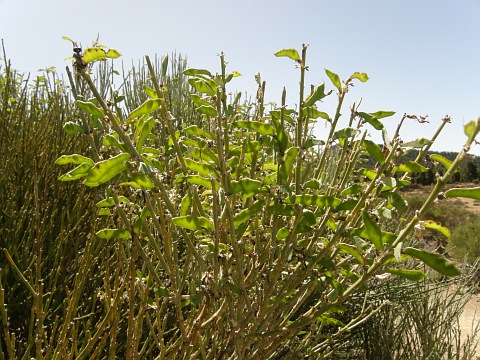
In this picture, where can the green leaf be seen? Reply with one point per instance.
(164, 65)
(163, 292)
(383, 114)
(262, 128)
(386, 213)
(92, 54)
(104, 212)
(396, 200)
(108, 202)
(372, 120)
(373, 230)
(313, 113)
(417, 144)
(352, 190)
(106, 170)
(139, 181)
(308, 218)
(430, 224)
(435, 261)
(290, 53)
(77, 173)
(471, 129)
(193, 222)
(139, 220)
(390, 182)
(90, 108)
(334, 78)
(317, 200)
(363, 77)
(72, 128)
(196, 131)
(413, 275)
(198, 100)
(302, 229)
(203, 86)
(347, 205)
(112, 140)
(312, 184)
(442, 160)
(282, 233)
(344, 133)
(318, 94)
(73, 159)
(202, 169)
(352, 250)
(113, 54)
(370, 174)
(471, 193)
(374, 151)
(312, 142)
(282, 136)
(287, 166)
(146, 108)
(98, 53)
(245, 186)
(196, 179)
(410, 167)
(152, 94)
(196, 72)
(246, 214)
(247, 147)
(207, 110)
(142, 131)
(232, 75)
(335, 284)
(387, 237)
(68, 39)
(113, 233)
(281, 210)
(186, 204)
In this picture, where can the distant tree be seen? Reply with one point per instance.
(469, 171)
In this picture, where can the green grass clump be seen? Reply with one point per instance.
(417, 321)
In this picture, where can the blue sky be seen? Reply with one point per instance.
(422, 56)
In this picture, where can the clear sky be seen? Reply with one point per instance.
(422, 56)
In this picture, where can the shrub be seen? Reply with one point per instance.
(465, 242)
(233, 232)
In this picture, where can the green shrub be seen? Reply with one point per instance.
(465, 241)
(230, 232)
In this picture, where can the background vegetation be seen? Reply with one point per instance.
(469, 170)
(232, 233)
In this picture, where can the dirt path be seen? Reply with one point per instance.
(471, 205)
(470, 318)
